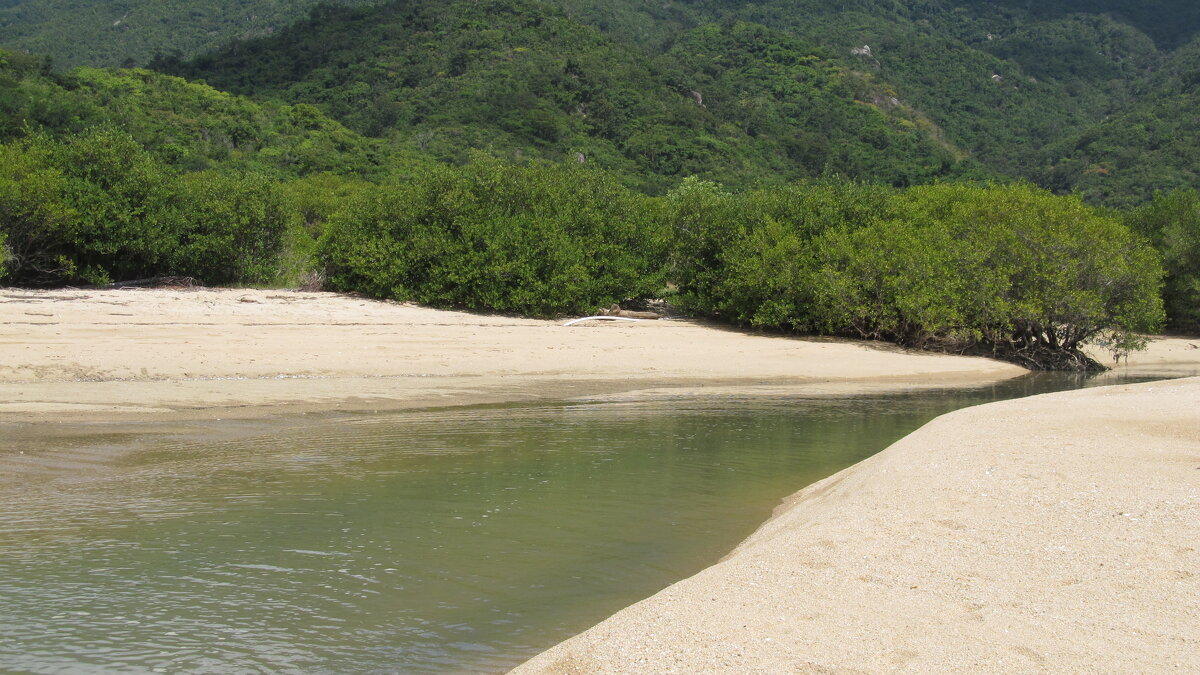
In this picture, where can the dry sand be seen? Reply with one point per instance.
(86, 355)
(1057, 533)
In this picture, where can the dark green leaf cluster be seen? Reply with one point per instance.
(96, 207)
(538, 240)
(1172, 223)
(187, 125)
(737, 102)
(1012, 270)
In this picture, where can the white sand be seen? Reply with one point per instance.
(1056, 533)
(138, 354)
(1050, 534)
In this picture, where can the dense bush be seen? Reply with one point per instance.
(125, 223)
(33, 215)
(1029, 275)
(540, 240)
(96, 207)
(745, 257)
(233, 227)
(1014, 270)
(1172, 223)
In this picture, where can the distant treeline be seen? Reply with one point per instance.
(1009, 270)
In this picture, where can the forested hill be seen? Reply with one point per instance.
(736, 102)
(1011, 87)
(1091, 96)
(1152, 144)
(1005, 79)
(187, 125)
(131, 32)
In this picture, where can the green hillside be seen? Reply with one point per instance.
(736, 102)
(187, 125)
(130, 32)
(1001, 79)
(901, 92)
(1150, 145)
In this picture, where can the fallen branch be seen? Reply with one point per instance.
(152, 282)
(600, 318)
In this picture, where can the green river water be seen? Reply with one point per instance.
(459, 540)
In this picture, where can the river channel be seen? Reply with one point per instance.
(462, 540)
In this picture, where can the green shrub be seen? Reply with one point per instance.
(34, 216)
(316, 197)
(90, 209)
(1011, 269)
(746, 257)
(234, 227)
(542, 240)
(124, 224)
(1029, 275)
(311, 200)
(96, 207)
(1172, 223)
(704, 223)
(888, 281)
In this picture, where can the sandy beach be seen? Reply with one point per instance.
(1056, 533)
(137, 354)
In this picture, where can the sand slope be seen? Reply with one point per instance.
(1057, 533)
(132, 354)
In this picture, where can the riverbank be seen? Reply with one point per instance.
(1049, 534)
(968, 519)
(145, 355)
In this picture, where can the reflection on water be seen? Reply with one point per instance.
(447, 541)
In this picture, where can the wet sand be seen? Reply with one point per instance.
(1057, 533)
(136, 355)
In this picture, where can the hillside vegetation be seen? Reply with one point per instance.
(1039, 91)
(1150, 145)
(130, 32)
(738, 102)
(186, 124)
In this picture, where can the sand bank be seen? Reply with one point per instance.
(83, 355)
(1058, 533)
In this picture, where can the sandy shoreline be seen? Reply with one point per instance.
(949, 551)
(1057, 533)
(135, 355)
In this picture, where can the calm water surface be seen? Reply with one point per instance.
(450, 541)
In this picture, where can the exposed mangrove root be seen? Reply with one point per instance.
(1041, 357)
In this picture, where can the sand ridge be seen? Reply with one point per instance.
(137, 353)
(1058, 533)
